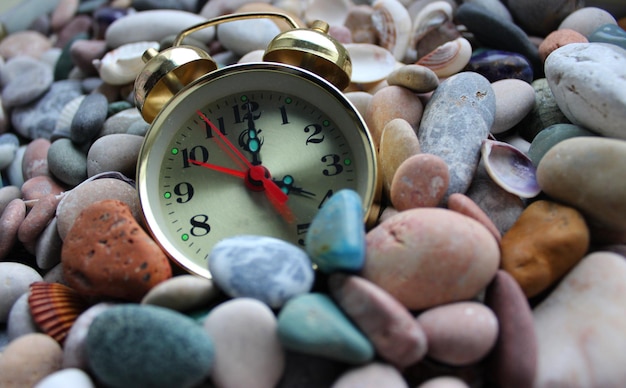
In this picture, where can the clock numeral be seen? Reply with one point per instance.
(301, 230)
(198, 152)
(248, 108)
(220, 126)
(184, 191)
(283, 115)
(332, 160)
(199, 225)
(316, 137)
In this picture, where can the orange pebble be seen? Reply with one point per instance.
(558, 39)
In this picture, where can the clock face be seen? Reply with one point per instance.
(252, 149)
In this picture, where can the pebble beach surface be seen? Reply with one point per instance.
(498, 258)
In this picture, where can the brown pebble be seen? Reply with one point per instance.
(83, 52)
(30, 43)
(398, 142)
(63, 13)
(40, 186)
(10, 221)
(417, 78)
(37, 218)
(35, 161)
(465, 205)
(546, 241)
(107, 253)
(559, 38)
(77, 25)
(420, 181)
(28, 359)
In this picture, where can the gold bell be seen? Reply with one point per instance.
(314, 50)
(166, 73)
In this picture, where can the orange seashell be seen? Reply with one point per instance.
(55, 307)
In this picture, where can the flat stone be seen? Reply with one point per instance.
(456, 119)
(182, 293)
(313, 324)
(394, 332)
(116, 152)
(261, 267)
(417, 78)
(28, 359)
(24, 79)
(397, 143)
(420, 181)
(514, 100)
(88, 120)
(134, 345)
(28, 43)
(41, 186)
(335, 240)
(67, 162)
(588, 81)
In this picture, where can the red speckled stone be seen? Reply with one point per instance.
(106, 253)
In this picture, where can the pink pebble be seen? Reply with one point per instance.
(40, 186)
(420, 181)
(35, 161)
(10, 221)
(465, 205)
(37, 218)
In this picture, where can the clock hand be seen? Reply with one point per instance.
(230, 171)
(253, 144)
(286, 184)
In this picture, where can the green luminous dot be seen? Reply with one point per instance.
(347, 162)
(174, 151)
(184, 237)
(167, 195)
(253, 145)
(244, 98)
(288, 100)
(326, 123)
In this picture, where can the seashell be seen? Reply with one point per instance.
(122, 65)
(333, 12)
(510, 168)
(64, 121)
(393, 25)
(427, 19)
(449, 58)
(370, 63)
(54, 308)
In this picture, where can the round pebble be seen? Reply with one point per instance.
(247, 35)
(15, 279)
(371, 376)
(35, 161)
(558, 39)
(70, 377)
(67, 162)
(41, 186)
(37, 218)
(10, 221)
(75, 347)
(182, 293)
(89, 118)
(29, 43)
(420, 181)
(586, 20)
(20, 321)
(24, 79)
(417, 78)
(29, 359)
(514, 100)
(398, 142)
(116, 152)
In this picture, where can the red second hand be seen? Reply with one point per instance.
(230, 171)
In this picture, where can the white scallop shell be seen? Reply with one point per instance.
(64, 121)
(393, 25)
(122, 65)
(370, 63)
(333, 12)
(427, 19)
(449, 58)
(510, 168)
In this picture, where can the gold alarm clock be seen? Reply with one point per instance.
(251, 148)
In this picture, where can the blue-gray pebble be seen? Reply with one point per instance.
(133, 345)
(9, 143)
(67, 162)
(39, 118)
(335, 240)
(88, 120)
(609, 33)
(265, 268)
(313, 324)
(551, 136)
(457, 118)
(24, 79)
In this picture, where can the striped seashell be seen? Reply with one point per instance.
(370, 63)
(449, 58)
(427, 19)
(393, 25)
(122, 65)
(54, 308)
(64, 121)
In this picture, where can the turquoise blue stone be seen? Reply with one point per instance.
(335, 240)
(609, 33)
(497, 64)
(132, 345)
(550, 136)
(313, 324)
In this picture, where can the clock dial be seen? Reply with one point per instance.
(257, 150)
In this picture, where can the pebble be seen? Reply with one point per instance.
(417, 78)
(514, 100)
(588, 81)
(496, 65)
(75, 347)
(134, 345)
(121, 121)
(444, 382)
(28, 359)
(9, 144)
(24, 79)
(116, 152)
(182, 293)
(245, 355)
(91, 114)
(398, 142)
(394, 333)
(265, 268)
(558, 39)
(456, 119)
(63, 13)
(420, 181)
(35, 161)
(459, 333)
(551, 136)
(539, 17)
(29, 43)
(10, 221)
(463, 204)
(513, 360)
(335, 240)
(7, 194)
(444, 256)
(372, 375)
(83, 52)
(20, 321)
(546, 241)
(609, 33)
(22, 15)
(37, 218)
(48, 246)
(70, 377)
(243, 36)
(313, 324)
(124, 262)
(594, 288)
(392, 102)
(580, 172)
(38, 118)
(67, 162)
(587, 19)
(90, 192)
(137, 27)
(41, 186)
(544, 113)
